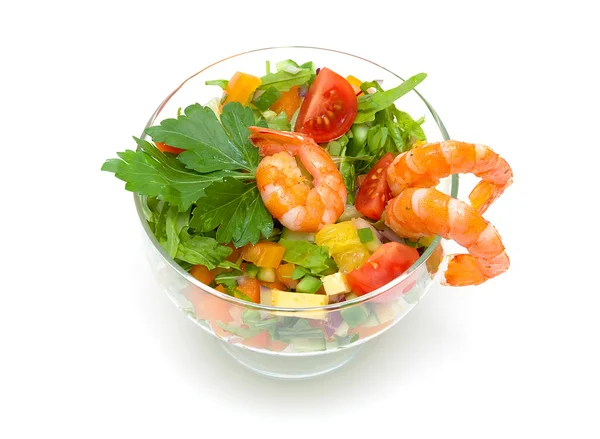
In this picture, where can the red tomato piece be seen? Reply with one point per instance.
(162, 146)
(387, 263)
(329, 108)
(374, 192)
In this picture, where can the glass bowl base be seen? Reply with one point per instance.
(290, 367)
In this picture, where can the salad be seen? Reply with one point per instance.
(200, 196)
(302, 188)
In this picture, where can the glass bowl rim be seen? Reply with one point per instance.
(330, 307)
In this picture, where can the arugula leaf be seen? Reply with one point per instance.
(209, 145)
(148, 171)
(407, 124)
(220, 82)
(237, 209)
(348, 171)
(268, 98)
(279, 122)
(201, 250)
(305, 254)
(369, 104)
(283, 80)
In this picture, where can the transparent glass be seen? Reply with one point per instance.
(295, 343)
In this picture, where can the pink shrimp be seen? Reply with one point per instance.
(287, 194)
(424, 165)
(420, 210)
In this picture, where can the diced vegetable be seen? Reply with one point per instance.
(287, 299)
(335, 284)
(266, 274)
(344, 245)
(251, 288)
(266, 297)
(365, 235)
(354, 315)
(355, 83)
(368, 234)
(289, 102)
(203, 274)
(308, 344)
(240, 88)
(264, 254)
(285, 274)
(338, 237)
(251, 270)
(387, 263)
(309, 284)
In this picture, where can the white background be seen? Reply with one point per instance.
(91, 348)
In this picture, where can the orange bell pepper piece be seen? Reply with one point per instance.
(251, 288)
(240, 88)
(289, 101)
(284, 274)
(203, 274)
(264, 254)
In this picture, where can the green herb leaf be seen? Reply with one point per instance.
(348, 171)
(280, 122)
(201, 250)
(283, 80)
(268, 98)
(370, 104)
(310, 256)
(148, 171)
(209, 145)
(220, 82)
(175, 221)
(237, 209)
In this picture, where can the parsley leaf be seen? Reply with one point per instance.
(201, 250)
(148, 171)
(209, 145)
(237, 209)
(370, 104)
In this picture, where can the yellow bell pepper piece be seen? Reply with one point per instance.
(240, 88)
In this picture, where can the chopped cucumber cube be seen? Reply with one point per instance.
(354, 315)
(365, 235)
(298, 273)
(267, 274)
(309, 284)
(251, 270)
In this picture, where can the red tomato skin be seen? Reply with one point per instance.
(163, 147)
(374, 192)
(387, 263)
(329, 108)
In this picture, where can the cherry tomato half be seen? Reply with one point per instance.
(329, 108)
(374, 192)
(387, 263)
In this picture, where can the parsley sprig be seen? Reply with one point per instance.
(213, 177)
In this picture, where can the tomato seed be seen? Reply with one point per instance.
(330, 114)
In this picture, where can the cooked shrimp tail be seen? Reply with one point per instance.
(420, 212)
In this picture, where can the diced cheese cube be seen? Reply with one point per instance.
(335, 284)
(286, 299)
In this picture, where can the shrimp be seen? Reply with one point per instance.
(286, 192)
(420, 210)
(424, 165)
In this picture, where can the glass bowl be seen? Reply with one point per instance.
(295, 343)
